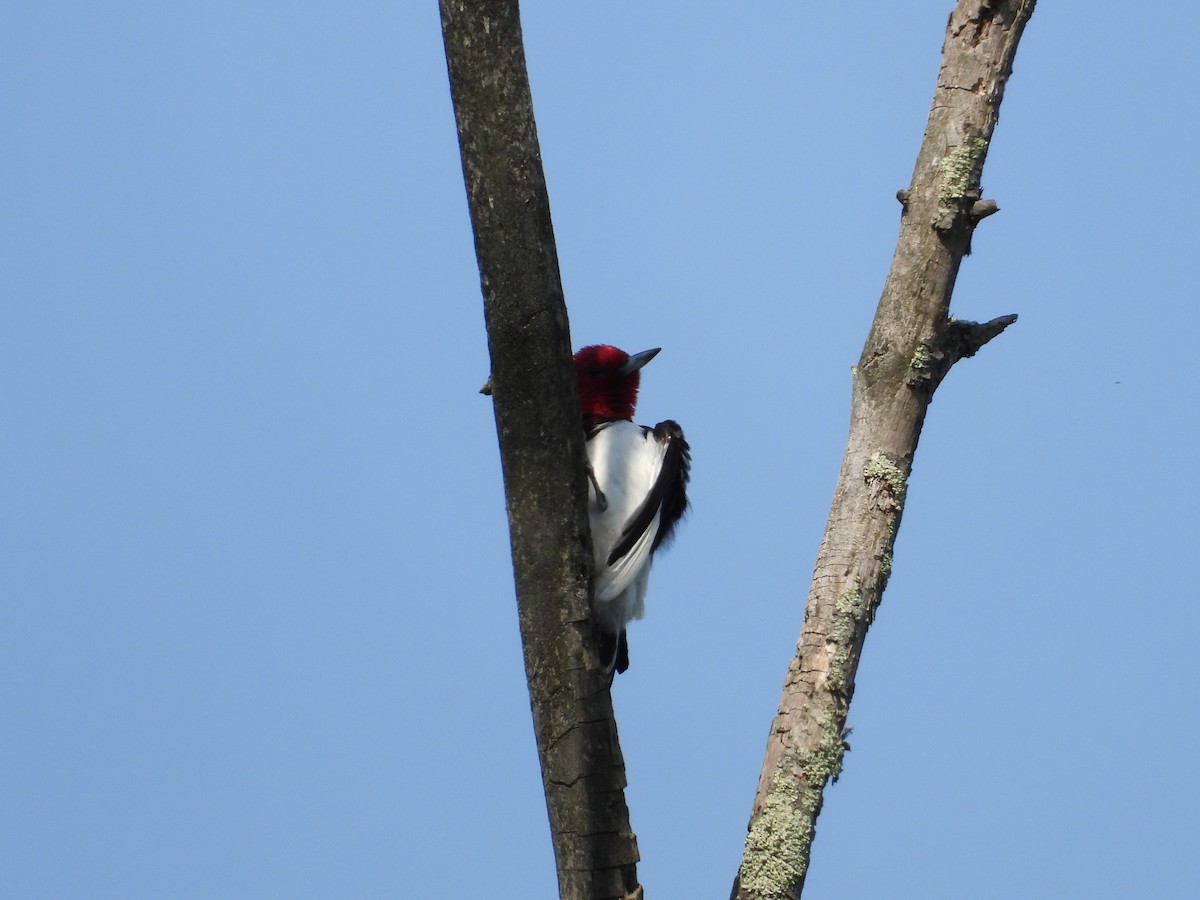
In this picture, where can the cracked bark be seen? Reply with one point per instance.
(542, 450)
(911, 347)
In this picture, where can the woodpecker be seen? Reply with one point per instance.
(637, 492)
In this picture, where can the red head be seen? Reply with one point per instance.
(608, 381)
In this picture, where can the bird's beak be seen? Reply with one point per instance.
(638, 360)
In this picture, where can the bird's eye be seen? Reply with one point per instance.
(596, 371)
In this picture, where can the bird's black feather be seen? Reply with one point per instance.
(668, 494)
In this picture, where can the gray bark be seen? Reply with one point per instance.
(912, 344)
(541, 448)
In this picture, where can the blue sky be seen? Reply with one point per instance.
(257, 631)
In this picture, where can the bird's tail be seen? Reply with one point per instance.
(615, 651)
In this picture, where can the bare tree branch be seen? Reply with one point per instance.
(912, 344)
(541, 448)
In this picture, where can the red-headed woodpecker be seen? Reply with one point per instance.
(638, 490)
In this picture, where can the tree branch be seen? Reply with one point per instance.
(542, 450)
(912, 344)
(956, 340)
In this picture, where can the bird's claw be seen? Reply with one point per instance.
(601, 500)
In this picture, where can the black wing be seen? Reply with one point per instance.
(668, 494)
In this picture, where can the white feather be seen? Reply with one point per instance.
(625, 460)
